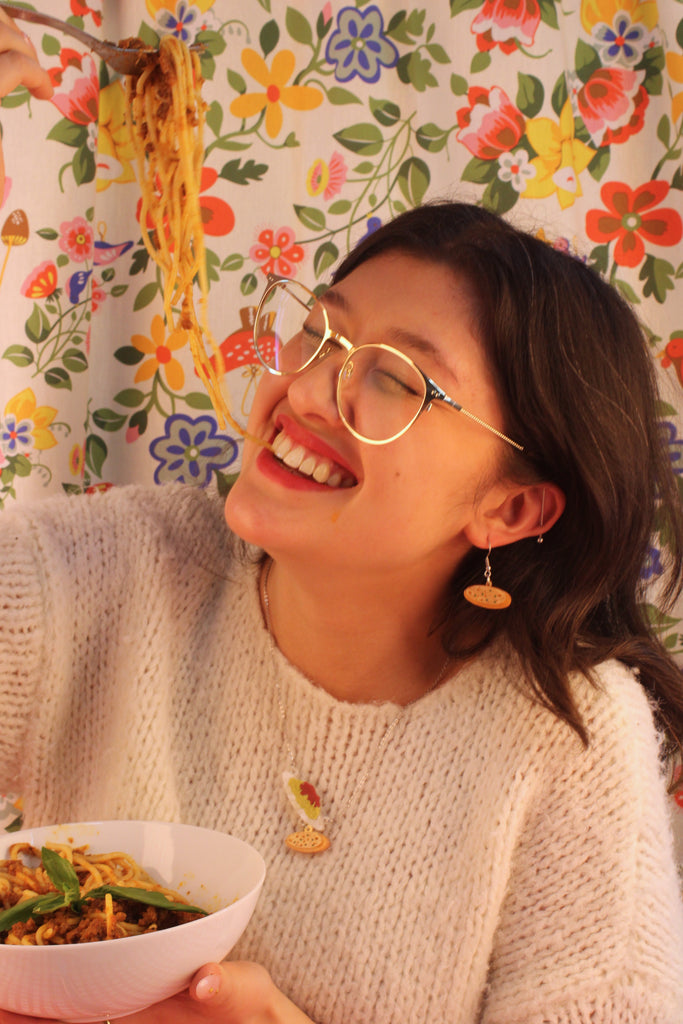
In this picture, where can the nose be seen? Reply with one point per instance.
(313, 392)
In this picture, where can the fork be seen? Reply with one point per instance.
(127, 61)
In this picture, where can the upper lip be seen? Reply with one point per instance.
(301, 435)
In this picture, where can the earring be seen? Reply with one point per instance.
(485, 595)
(539, 539)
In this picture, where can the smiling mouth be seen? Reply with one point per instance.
(302, 460)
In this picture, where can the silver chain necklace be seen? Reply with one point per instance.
(301, 793)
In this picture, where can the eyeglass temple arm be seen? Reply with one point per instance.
(435, 392)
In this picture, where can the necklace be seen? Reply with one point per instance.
(301, 793)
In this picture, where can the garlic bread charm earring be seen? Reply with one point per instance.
(485, 595)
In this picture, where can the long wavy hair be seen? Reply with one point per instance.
(577, 386)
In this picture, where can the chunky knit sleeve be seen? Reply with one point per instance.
(24, 632)
(83, 581)
(591, 930)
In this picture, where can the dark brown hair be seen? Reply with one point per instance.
(578, 390)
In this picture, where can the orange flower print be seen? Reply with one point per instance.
(276, 252)
(41, 282)
(77, 460)
(276, 93)
(674, 65)
(160, 350)
(631, 217)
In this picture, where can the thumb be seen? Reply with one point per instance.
(238, 988)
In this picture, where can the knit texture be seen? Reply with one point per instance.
(491, 869)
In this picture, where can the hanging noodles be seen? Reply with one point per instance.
(168, 114)
(106, 918)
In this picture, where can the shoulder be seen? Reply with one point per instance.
(125, 522)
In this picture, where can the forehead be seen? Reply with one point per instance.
(414, 304)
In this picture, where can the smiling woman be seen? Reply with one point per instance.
(441, 790)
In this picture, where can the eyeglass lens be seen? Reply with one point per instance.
(379, 391)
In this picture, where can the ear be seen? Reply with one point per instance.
(511, 512)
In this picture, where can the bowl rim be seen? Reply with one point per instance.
(11, 838)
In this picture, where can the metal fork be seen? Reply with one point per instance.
(122, 59)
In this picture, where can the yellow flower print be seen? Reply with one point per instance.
(160, 349)
(595, 12)
(115, 153)
(561, 158)
(276, 92)
(30, 418)
(674, 65)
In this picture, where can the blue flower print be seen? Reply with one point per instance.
(16, 436)
(191, 450)
(358, 47)
(623, 43)
(674, 444)
(653, 565)
(184, 24)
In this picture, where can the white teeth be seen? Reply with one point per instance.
(282, 444)
(295, 456)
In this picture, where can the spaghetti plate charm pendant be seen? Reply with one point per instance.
(304, 799)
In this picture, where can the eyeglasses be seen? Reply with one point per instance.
(380, 391)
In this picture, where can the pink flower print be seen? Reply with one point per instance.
(612, 104)
(277, 252)
(506, 23)
(98, 294)
(76, 239)
(491, 125)
(76, 87)
(327, 178)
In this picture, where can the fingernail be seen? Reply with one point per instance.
(207, 987)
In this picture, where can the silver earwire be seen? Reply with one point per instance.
(539, 539)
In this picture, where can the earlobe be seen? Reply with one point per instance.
(522, 511)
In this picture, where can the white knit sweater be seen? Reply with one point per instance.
(491, 869)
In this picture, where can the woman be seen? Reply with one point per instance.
(489, 777)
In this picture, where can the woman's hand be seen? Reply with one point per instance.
(19, 66)
(229, 993)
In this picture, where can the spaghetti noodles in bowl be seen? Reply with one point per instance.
(93, 981)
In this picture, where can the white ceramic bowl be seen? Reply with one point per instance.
(99, 980)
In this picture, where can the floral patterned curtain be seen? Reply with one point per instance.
(323, 121)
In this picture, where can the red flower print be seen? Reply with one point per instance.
(612, 104)
(76, 239)
(80, 9)
(491, 125)
(276, 252)
(506, 23)
(41, 282)
(630, 217)
(217, 215)
(76, 87)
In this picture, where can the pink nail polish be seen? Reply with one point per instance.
(207, 986)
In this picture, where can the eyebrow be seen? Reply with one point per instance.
(398, 336)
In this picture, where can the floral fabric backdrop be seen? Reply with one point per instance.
(324, 120)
